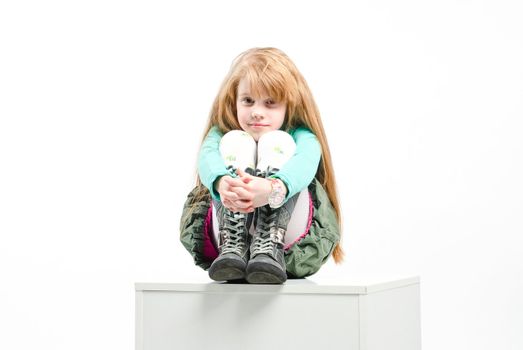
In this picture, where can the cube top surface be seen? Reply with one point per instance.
(366, 285)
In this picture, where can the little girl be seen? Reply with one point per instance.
(265, 207)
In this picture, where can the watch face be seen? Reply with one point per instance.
(276, 196)
(276, 200)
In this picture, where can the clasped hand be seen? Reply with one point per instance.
(243, 193)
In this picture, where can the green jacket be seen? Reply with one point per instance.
(303, 259)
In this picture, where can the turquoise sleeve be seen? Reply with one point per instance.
(210, 163)
(301, 169)
(297, 173)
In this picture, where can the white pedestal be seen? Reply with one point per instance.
(300, 314)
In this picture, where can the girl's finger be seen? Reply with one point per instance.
(235, 182)
(238, 206)
(242, 194)
(227, 203)
(230, 195)
(246, 178)
(242, 204)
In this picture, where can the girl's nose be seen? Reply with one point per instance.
(256, 115)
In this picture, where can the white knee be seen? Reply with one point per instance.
(238, 149)
(275, 148)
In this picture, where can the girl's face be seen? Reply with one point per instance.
(258, 115)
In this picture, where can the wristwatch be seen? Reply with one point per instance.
(277, 195)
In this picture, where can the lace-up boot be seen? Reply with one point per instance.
(233, 246)
(267, 262)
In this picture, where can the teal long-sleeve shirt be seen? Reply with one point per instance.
(296, 174)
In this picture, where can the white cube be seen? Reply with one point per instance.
(299, 314)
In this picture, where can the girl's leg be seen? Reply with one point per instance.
(299, 221)
(267, 262)
(274, 150)
(238, 150)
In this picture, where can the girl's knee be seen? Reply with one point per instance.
(276, 137)
(275, 148)
(238, 149)
(236, 139)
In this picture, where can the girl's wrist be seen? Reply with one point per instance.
(217, 183)
(284, 186)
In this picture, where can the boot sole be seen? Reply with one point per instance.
(227, 270)
(265, 278)
(227, 274)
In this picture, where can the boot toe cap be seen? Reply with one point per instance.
(263, 269)
(228, 267)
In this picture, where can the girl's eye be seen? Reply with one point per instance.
(270, 102)
(247, 100)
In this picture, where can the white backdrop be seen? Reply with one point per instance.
(103, 104)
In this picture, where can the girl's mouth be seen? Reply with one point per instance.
(259, 124)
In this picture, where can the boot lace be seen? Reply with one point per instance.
(268, 236)
(234, 239)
